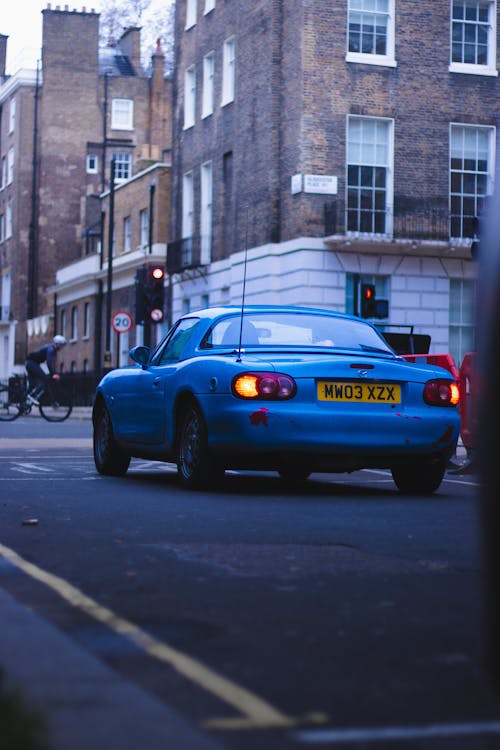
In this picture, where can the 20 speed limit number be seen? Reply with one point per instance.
(121, 322)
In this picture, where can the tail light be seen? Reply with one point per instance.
(263, 386)
(441, 392)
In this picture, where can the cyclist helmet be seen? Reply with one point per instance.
(59, 340)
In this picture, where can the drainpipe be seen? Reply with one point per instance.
(111, 228)
(33, 238)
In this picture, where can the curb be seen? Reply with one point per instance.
(84, 704)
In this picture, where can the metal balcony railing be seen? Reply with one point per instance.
(409, 218)
(184, 254)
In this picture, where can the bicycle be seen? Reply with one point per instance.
(53, 400)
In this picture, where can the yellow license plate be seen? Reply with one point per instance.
(372, 393)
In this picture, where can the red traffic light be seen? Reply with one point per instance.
(368, 291)
(158, 273)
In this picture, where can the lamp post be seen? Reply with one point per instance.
(111, 230)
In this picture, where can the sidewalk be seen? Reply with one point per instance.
(86, 705)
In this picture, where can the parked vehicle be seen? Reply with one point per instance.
(290, 389)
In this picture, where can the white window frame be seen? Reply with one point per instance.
(6, 296)
(74, 323)
(191, 12)
(389, 59)
(127, 234)
(10, 166)
(189, 97)
(187, 205)
(92, 164)
(8, 221)
(4, 171)
(228, 70)
(354, 157)
(478, 69)
(206, 212)
(490, 131)
(144, 227)
(461, 291)
(122, 114)
(207, 105)
(123, 165)
(12, 115)
(209, 6)
(86, 320)
(63, 322)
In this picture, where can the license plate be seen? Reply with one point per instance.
(373, 393)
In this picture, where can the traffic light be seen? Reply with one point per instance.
(155, 293)
(149, 294)
(371, 307)
(368, 300)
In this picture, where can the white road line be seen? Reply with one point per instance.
(32, 478)
(25, 468)
(377, 734)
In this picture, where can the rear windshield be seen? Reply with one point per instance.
(294, 330)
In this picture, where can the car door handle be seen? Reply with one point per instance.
(157, 381)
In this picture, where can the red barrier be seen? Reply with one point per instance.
(467, 384)
(468, 401)
(441, 360)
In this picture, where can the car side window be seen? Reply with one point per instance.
(176, 342)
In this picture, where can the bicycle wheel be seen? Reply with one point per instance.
(9, 410)
(55, 402)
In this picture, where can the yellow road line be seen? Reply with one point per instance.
(255, 712)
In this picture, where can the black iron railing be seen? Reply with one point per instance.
(184, 254)
(409, 218)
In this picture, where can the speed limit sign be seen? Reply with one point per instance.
(121, 322)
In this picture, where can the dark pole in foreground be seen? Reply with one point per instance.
(111, 228)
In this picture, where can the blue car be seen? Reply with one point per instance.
(288, 389)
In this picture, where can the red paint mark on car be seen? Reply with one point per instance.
(259, 417)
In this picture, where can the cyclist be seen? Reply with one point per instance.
(34, 360)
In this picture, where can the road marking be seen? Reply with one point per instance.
(255, 712)
(376, 734)
(168, 468)
(31, 478)
(25, 468)
(44, 442)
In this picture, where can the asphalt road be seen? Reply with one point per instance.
(337, 613)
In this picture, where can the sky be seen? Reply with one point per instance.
(21, 21)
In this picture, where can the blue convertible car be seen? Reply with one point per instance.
(289, 389)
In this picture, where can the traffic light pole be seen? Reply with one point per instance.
(111, 227)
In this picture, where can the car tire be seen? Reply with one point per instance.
(419, 477)
(109, 459)
(196, 467)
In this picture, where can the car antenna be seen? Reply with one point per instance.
(238, 358)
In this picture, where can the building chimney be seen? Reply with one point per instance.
(130, 46)
(157, 97)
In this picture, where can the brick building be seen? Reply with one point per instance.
(86, 107)
(340, 143)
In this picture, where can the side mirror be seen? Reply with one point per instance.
(140, 354)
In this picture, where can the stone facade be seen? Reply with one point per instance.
(296, 86)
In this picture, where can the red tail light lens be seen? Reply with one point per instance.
(271, 386)
(441, 392)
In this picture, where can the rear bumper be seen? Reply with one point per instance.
(264, 434)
